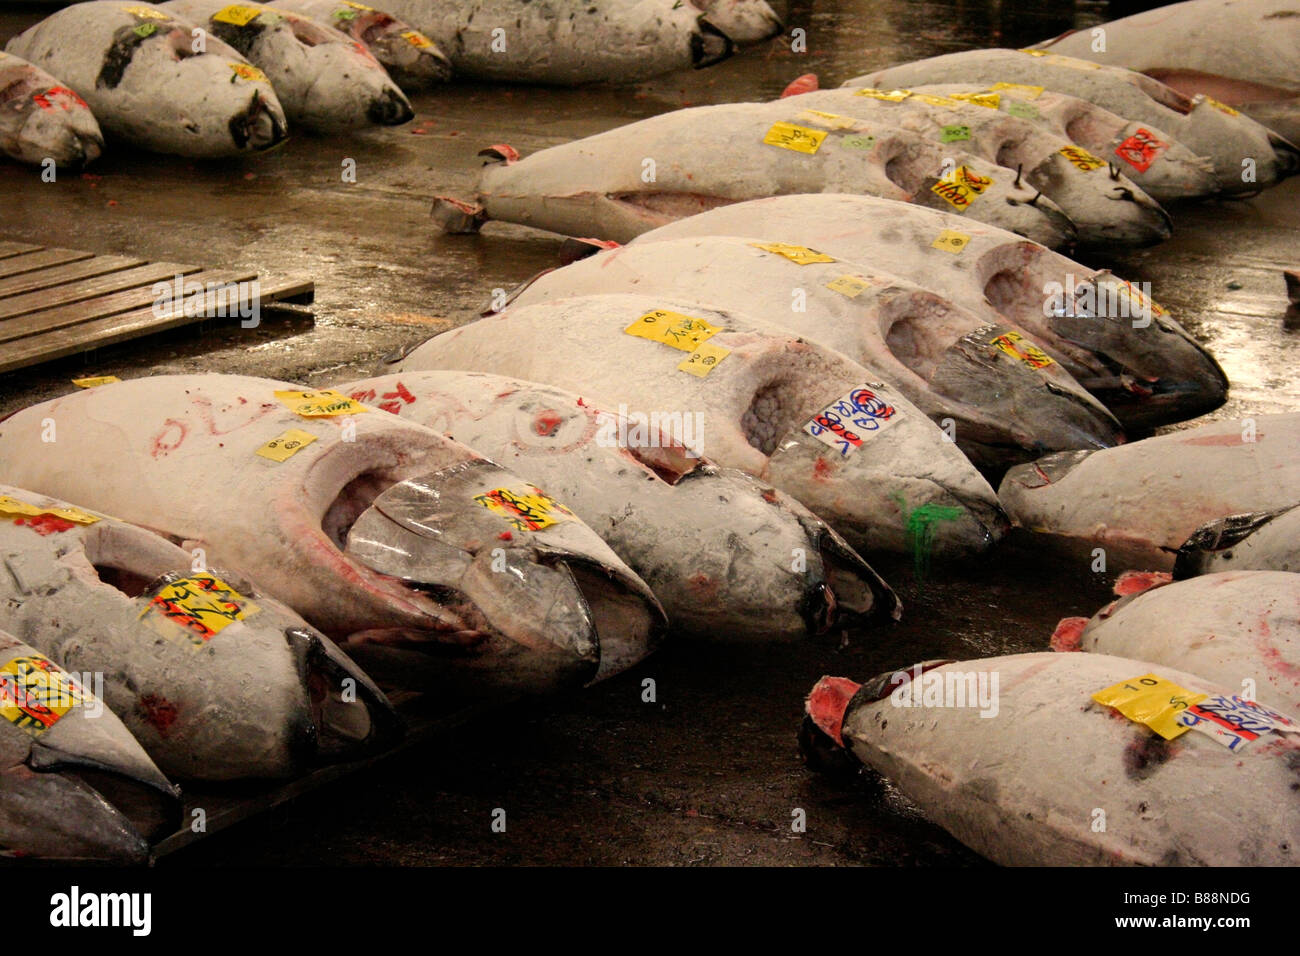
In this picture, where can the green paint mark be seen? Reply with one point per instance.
(954, 134)
(859, 142)
(1023, 110)
(920, 532)
(145, 30)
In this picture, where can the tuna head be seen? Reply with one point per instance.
(1152, 371)
(44, 119)
(351, 89)
(1118, 213)
(410, 57)
(545, 598)
(72, 140)
(741, 21)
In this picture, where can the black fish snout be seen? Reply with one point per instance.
(390, 109)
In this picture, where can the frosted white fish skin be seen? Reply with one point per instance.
(325, 81)
(411, 59)
(717, 547)
(1229, 627)
(152, 90)
(51, 804)
(1185, 45)
(598, 185)
(1106, 207)
(1140, 501)
(237, 707)
(1175, 173)
(568, 42)
(1208, 131)
(41, 119)
(1164, 374)
(336, 530)
(1022, 788)
(1260, 542)
(755, 404)
(939, 355)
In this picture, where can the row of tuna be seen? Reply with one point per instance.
(209, 78)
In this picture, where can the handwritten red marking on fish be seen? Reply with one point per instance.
(161, 447)
(547, 423)
(46, 524)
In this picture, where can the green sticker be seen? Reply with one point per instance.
(345, 14)
(1023, 110)
(145, 30)
(952, 134)
(859, 142)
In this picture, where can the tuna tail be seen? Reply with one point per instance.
(1196, 554)
(456, 217)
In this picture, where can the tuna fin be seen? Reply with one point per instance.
(456, 217)
(500, 153)
(801, 84)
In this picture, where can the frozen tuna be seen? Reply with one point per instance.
(324, 80)
(621, 183)
(729, 558)
(74, 784)
(1002, 397)
(1237, 629)
(1106, 207)
(136, 65)
(1139, 502)
(41, 119)
(788, 411)
(1243, 53)
(237, 686)
(1108, 333)
(1246, 155)
(424, 560)
(1262, 541)
(410, 57)
(1019, 758)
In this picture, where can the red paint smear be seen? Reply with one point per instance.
(506, 536)
(1135, 582)
(547, 423)
(46, 524)
(1068, 633)
(159, 712)
(828, 702)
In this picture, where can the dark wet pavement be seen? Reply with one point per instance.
(708, 773)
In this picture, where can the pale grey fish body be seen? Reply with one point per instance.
(41, 119)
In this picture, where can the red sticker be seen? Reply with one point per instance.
(59, 96)
(1140, 150)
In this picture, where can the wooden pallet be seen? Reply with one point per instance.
(58, 302)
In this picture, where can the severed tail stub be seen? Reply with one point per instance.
(1135, 582)
(457, 217)
(820, 742)
(1068, 634)
(807, 83)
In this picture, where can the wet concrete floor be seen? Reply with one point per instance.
(708, 773)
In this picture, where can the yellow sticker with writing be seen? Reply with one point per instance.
(1081, 158)
(935, 100)
(246, 71)
(1024, 89)
(146, 13)
(830, 120)
(287, 445)
(1221, 107)
(800, 255)
(703, 360)
(323, 404)
(847, 285)
(199, 607)
(801, 139)
(416, 39)
(961, 187)
(236, 14)
(95, 381)
(1015, 345)
(35, 693)
(1140, 302)
(892, 96)
(1151, 700)
(987, 100)
(13, 508)
(684, 332)
(950, 240)
(529, 509)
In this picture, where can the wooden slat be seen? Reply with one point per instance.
(31, 261)
(142, 277)
(78, 313)
(57, 275)
(8, 249)
(286, 289)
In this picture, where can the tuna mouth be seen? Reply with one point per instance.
(257, 128)
(1217, 538)
(851, 593)
(1288, 155)
(151, 804)
(709, 45)
(390, 108)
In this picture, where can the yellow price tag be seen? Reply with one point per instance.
(287, 445)
(801, 139)
(1081, 158)
(13, 508)
(529, 510)
(1221, 107)
(800, 255)
(146, 13)
(950, 240)
(357, 6)
(892, 96)
(1151, 700)
(847, 285)
(416, 39)
(703, 360)
(961, 187)
(35, 693)
(679, 331)
(989, 101)
(1014, 344)
(246, 71)
(831, 120)
(95, 381)
(323, 404)
(201, 606)
(236, 14)
(1030, 92)
(935, 100)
